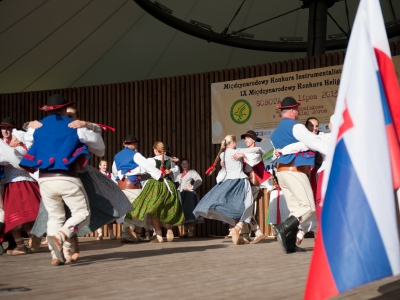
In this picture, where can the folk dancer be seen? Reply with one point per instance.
(300, 147)
(59, 151)
(106, 200)
(103, 166)
(188, 181)
(7, 125)
(292, 173)
(21, 193)
(159, 199)
(254, 168)
(231, 200)
(128, 165)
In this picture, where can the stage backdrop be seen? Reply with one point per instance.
(251, 104)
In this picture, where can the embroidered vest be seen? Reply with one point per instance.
(167, 166)
(124, 162)
(283, 136)
(55, 147)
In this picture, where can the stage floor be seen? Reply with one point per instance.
(199, 268)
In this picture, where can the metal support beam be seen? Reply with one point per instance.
(317, 23)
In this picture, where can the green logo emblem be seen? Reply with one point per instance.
(240, 111)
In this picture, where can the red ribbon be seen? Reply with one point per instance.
(183, 174)
(278, 209)
(211, 169)
(105, 127)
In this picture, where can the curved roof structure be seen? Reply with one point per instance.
(48, 44)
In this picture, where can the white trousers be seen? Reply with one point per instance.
(298, 194)
(70, 189)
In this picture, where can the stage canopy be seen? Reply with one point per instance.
(48, 44)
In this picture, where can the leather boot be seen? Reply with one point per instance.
(291, 241)
(283, 229)
(298, 249)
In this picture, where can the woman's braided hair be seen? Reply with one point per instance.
(225, 142)
(159, 146)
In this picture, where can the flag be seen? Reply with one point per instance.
(357, 241)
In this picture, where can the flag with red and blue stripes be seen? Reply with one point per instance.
(358, 239)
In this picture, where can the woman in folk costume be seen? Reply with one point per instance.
(175, 170)
(231, 200)
(158, 198)
(189, 180)
(312, 124)
(106, 202)
(7, 125)
(103, 166)
(2, 226)
(318, 195)
(21, 195)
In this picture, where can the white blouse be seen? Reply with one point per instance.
(190, 178)
(234, 168)
(14, 174)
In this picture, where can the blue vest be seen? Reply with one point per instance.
(124, 162)
(55, 145)
(283, 136)
(2, 174)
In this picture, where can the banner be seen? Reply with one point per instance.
(250, 104)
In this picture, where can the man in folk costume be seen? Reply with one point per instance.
(292, 172)
(58, 152)
(128, 165)
(253, 166)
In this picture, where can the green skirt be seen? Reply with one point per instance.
(157, 200)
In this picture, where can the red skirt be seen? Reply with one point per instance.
(318, 197)
(21, 203)
(313, 181)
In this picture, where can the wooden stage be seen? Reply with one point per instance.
(199, 268)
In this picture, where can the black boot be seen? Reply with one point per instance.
(11, 243)
(291, 241)
(298, 249)
(283, 229)
(291, 246)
